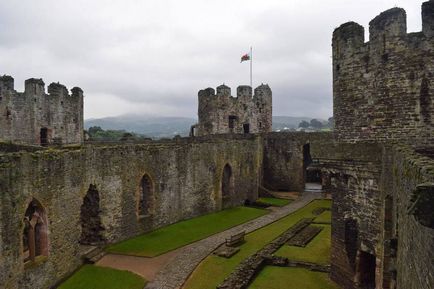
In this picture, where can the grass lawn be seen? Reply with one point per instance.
(274, 201)
(317, 251)
(324, 217)
(185, 232)
(291, 278)
(213, 269)
(94, 277)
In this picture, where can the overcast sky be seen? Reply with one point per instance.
(151, 57)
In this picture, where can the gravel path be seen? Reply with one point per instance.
(176, 272)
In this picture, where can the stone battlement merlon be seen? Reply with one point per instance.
(244, 91)
(36, 86)
(388, 27)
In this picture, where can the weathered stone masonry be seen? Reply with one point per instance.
(221, 113)
(34, 117)
(383, 89)
(187, 181)
(383, 98)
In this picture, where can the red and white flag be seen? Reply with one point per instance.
(245, 57)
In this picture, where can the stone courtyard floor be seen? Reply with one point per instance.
(171, 270)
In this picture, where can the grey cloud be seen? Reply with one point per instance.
(153, 56)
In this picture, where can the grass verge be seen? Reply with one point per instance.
(291, 278)
(95, 277)
(185, 232)
(324, 218)
(317, 251)
(274, 201)
(213, 269)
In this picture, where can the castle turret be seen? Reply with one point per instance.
(34, 86)
(428, 18)
(263, 104)
(6, 83)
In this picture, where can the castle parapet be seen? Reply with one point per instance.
(223, 90)
(428, 18)
(207, 92)
(34, 86)
(244, 91)
(263, 91)
(389, 24)
(347, 37)
(57, 89)
(6, 83)
(77, 92)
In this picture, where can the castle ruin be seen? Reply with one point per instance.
(221, 113)
(36, 118)
(378, 165)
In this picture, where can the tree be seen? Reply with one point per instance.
(316, 123)
(304, 124)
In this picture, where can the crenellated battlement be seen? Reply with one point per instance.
(243, 92)
(381, 87)
(387, 28)
(220, 112)
(37, 117)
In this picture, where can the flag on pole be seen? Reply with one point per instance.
(245, 57)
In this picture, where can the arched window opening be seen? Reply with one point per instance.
(44, 136)
(365, 275)
(146, 196)
(91, 225)
(227, 186)
(351, 240)
(35, 234)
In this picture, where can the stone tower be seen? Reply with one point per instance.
(36, 118)
(221, 113)
(383, 89)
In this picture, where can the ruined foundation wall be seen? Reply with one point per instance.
(283, 159)
(186, 176)
(383, 89)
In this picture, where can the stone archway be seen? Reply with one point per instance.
(90, 218)
(146, 196)
(35, 233)
(227, 186)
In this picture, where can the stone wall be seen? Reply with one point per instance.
(383, 89)
(375, 189)
(221, 113)
(284, 166)
(411, 177)
(186, 175)
(32, 116)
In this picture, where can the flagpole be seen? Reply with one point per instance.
(251, 64)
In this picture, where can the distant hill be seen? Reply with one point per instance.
(162, 127)
(288, 122)
(155, 127)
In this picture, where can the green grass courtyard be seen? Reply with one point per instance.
(94, 277)
(213, 269)
(185, 232)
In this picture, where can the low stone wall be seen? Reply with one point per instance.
(186, 176)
